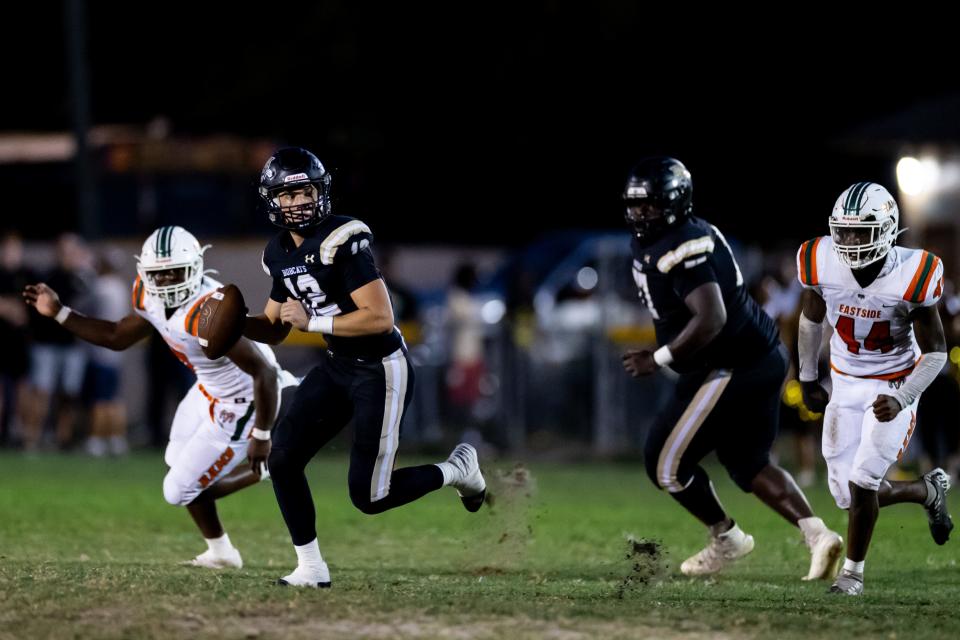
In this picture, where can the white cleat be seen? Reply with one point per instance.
(314, 578)
(209, 560)
(721, 552)
(470, 485)
(825, 555)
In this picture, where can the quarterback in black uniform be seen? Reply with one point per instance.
(731, 367)
(325, 280)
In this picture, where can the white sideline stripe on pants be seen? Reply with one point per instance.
(686, 428)
(395, 374)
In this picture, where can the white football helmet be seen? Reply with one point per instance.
(864, 224)
(166, 249)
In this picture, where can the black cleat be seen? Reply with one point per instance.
(941, 524)
(474, 502)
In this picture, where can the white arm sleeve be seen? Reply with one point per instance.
(920, 378)
(808, 346)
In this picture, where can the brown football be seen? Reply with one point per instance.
(219, 320)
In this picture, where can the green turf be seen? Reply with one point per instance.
(90, 550)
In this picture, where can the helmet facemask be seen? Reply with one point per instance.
(178, 292)
(297, 217)
(859, 244)
(647, 218)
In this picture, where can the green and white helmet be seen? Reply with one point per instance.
(864, 224)
(170, 248)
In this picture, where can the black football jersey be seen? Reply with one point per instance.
(334, 261)
(673, 265)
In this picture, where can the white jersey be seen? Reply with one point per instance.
(219, 379)
(873, 334)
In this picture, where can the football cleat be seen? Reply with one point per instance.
(941, 524)
(849, 583)
(470, 485)
(720, 552)
(825, 555)
(314, 578)
(209, 560)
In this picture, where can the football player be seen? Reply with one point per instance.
(887, 346)
(234, 396)
(731, 367)
(325, 281)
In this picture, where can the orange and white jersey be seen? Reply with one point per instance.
(219, 379)
(873, 334)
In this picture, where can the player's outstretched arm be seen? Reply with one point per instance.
(118, 335)
(265, 389)
(809, 336)
(267, 327)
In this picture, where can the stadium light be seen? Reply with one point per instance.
(493, 311)
(587, 278)
(916, 177)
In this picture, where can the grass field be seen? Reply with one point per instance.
(90, 550)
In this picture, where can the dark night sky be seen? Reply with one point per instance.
(509, 122)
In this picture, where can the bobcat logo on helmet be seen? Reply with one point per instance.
(169, 250)
(864, 224)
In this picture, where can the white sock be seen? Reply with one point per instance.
(811, 527)
(308, 555)
(856, 567)
(220, 545)
(449, 472)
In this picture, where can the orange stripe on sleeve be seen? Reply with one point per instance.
(813, 260)
(926, 281)
(136, 296)
(916, 276)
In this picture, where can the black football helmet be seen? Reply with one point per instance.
(658, 194)
(293, 168)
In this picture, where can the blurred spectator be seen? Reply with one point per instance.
(108, 414)
(938, 425)
(779, 293)
(57, 362)
(404, 301)
(467, 368)
(13, 331)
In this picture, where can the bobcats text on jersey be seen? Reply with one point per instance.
(333, 261)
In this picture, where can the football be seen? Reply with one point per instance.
(220, 320)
